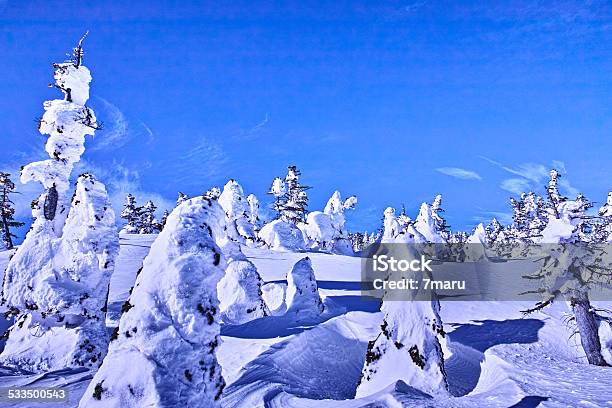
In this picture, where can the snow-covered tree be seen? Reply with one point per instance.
(302, 296)
(164, 219)
(57, 289)
(131, 214)
(237, 213)
(56, 283)
(572, 268)
(357, 241)
(495, 232)
(407, 347)
(278, 190)
(253, 210)
(603, 229)
(163, 353)
(182, 197)
(213, 193)
(391, 228)
(552, 191)
(7, 211)
(430, 223)
(148, 222)
(239, 290)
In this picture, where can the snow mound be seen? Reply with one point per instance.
(302, 292)
(274, 294)
(164, 347)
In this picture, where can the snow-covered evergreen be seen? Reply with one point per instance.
(163, 352)
(148, 222)
(238, 213)
(239, 290)
(302, 296)
(57, 288)
(7, 212)
(56, 283)
(131, 214)
(407, 348)
(430, 223)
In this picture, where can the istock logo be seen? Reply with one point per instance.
(384, 263)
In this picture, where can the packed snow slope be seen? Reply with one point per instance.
(495, 357)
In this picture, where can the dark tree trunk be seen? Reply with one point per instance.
(50, 204)
(588, 328)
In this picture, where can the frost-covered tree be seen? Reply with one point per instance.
(213, 193)
(253, 210)
(237, 213)
(131, 214)
(552, 191)
(182, 197)
(7, 211)
(430, 223)
(163, 354)
(495, 232)
(296, 199)
(571, 268)
(164, 219)
(603, 229)
(278, 190)
(56, 283)
(302, 296)
(239, 290)
(391, 228)
(357, 241)
(148, 222)
(407, 347)
(57, 289)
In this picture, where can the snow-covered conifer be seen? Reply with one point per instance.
(278, 190)
(163, 353)
(237, 213)
(407, 347)
(213, 193)
(390, 225)
(239, 290)
(164, 219)
(571, 269)
(281, 235)
(131, 214)
(430, 224)
(56, 283)
(295, 202)
(182, 197)
(148, 222)
(7, 211)
(60, 305)
(302, 292)
(253, 210)
(493, 230)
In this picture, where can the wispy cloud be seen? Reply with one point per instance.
(116, 128)
(415, 6)
(533, 177)
(459, 173)
(515, 185)
(487, 216)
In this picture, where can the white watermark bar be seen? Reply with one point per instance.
(33, 395)
(472, 272)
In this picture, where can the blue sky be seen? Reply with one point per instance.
(392, 101)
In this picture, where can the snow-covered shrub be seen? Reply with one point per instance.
(57, 287)
(282, 236)
(163, 352)
(302, 295)
(239, 290)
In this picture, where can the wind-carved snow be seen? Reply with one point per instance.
(60, 306)
(163, 352)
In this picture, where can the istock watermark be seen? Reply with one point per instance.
(471, 272)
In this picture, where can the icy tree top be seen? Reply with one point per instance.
(232, 200)
(66, 121)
